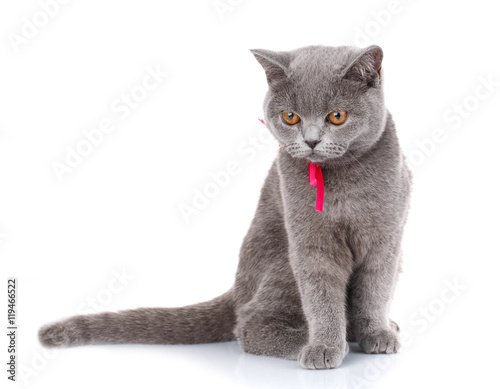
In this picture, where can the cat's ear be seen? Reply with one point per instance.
(275, 64)
(366, 67)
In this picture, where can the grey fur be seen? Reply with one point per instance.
(307, 282)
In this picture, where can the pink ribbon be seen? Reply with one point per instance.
(315, 179)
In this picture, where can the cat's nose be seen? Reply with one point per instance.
(312, 143)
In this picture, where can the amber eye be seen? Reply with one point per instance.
(291, 118)
(337, 117)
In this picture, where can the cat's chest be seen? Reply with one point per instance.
(347, 198)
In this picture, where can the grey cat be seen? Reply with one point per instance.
(307, 281)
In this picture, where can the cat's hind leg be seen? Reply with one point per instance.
(272, 323)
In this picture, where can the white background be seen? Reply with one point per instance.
(118, 210)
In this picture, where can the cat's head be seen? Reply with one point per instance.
(324, 103)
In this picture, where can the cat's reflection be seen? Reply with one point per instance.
(359, 370)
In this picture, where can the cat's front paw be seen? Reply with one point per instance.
(381, 341)
(321, 356)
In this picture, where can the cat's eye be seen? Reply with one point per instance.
(337, 117)
(291, 117)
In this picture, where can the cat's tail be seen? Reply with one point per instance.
(207, 322)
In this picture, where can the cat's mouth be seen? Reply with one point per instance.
(316, 158)
(317, 154)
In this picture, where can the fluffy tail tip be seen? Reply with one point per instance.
(53, 335)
